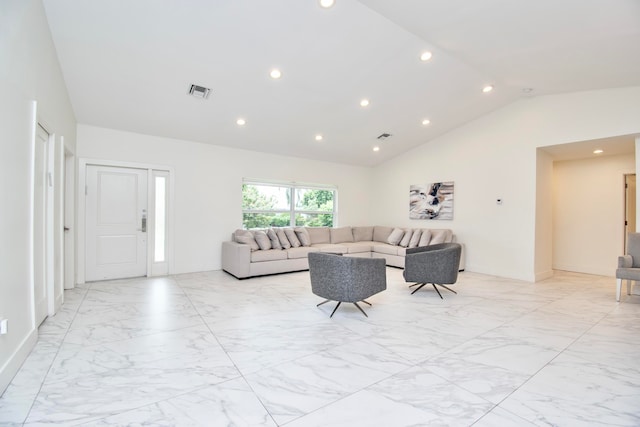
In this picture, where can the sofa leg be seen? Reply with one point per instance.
(323, 302)
(628, 287)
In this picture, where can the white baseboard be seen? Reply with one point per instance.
(15, 361)
(597, 271)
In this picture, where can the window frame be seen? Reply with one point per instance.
(292, 211)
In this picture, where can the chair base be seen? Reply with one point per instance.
(619, 288)
(434, 287)
(340, 302)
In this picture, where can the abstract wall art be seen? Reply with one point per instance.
(431, 201)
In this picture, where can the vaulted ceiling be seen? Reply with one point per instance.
(129, 64)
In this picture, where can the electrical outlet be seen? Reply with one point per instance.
(4, 326)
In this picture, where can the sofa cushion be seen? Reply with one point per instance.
(331, 248)
(341, 235)
(381, 234)
(275, 242)
(291, 236)
(301, 252)
(415, 239)
(406, 238)
(268, 255)
(425, 238)
(284, 242)
(262, 239)
(383, 248)
(395, 236)
(358, 247)
(303, 236)
(362, 234)
(440, 236)
(246, 237)
(319, 235)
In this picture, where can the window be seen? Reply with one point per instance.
(282, 204)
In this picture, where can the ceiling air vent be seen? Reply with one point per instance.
(384, 136)
(199, 91)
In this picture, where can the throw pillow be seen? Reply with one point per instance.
(275, 242)
(425, 238)
(246, 237)
(415, 238)
(303, 236)
(395, 236)
(406, 238)
(262, 239)
(293, 239)
(438, 236)
(284, 242)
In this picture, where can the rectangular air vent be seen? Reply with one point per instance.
(199, 91)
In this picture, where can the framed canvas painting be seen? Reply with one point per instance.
(431, 201)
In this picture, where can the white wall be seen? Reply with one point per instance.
(495, 157)
(588, 213)
(208, 183)
(29, 71)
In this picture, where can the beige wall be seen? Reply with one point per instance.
(588, 213)
(544, 215)
(29, 71)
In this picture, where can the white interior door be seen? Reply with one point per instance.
(40, 288)
(116, 216)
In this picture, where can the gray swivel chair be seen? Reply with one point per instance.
(434, 264)
(629, 264)
(346, 279)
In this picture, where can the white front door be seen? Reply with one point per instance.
(116, 217)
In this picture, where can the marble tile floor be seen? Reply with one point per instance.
(205, 349)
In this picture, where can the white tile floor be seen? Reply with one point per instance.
(207, 349)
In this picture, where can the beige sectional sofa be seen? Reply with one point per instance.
(281, 250)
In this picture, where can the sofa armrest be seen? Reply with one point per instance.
(625, 261)
(236, 259)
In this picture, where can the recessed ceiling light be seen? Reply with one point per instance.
(241, 122)
(598, 151)
(318, 137)
(426, 56)
(376, 148)
(364, 102)
(426, 122)
(326, 3)
(275, 73)
(487, 89)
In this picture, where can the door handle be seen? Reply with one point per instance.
(144, 223)
(65, 228)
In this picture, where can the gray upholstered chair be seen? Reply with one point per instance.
(435, 264)
(629, 264)
(346, 279)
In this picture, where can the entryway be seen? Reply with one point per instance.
(126, 212)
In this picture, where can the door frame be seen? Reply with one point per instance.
(81, 218)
